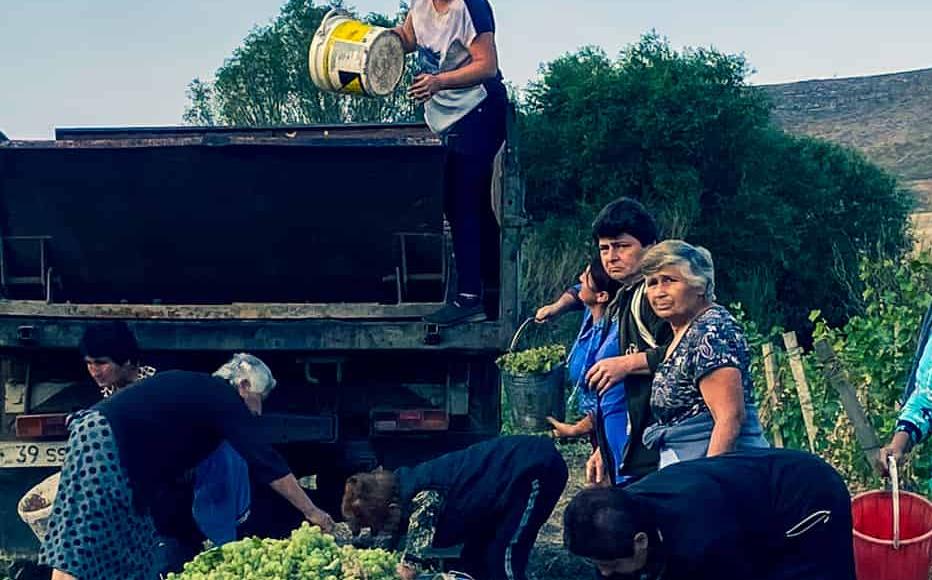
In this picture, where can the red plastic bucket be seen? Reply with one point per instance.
(891, 543)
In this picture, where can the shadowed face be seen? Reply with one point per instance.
(621, 256)
(107, 373)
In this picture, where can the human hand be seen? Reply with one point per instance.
(405, 571)
(545, 313)
(561, 429)
(319, 517)
(424, 87)
(896, 449)
(606, 373)
(595, 470)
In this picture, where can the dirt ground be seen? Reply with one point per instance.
(550, 561)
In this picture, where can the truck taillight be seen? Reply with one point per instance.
(401, 420)
(41, 426)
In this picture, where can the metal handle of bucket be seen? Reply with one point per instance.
(895, 480)
(514, 339)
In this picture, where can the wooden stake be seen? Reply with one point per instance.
(835, 374)
(794, 353)
(773, 391)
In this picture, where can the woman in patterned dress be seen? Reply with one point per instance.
(701, 395)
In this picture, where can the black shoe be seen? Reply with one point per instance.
(456, 313)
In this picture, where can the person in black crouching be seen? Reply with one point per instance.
(492, 497)
(762, 514)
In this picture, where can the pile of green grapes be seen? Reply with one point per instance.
(308, 554)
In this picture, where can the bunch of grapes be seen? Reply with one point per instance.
(308, 554)
(373, 564)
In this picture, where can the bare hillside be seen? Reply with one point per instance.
(888, 117)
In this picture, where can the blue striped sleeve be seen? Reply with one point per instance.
(480, 12)
(916, 415)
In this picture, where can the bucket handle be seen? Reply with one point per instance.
(895, 480)
(514, 339)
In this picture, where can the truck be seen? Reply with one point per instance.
(317, 248)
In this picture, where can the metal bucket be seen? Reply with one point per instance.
(534, 397)
(351, 57)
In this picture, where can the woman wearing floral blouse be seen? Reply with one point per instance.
(701, 394)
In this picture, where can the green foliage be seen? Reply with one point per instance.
(265, 82)
(876, 348)
(538, 360)
(785, 218)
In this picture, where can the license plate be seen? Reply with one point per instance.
(35, 454)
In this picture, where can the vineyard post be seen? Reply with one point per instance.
(835, 374)
(774, 391)
(794, 353)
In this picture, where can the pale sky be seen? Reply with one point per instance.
(109, 63)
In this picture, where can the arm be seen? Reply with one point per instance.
(915, 420)
(241, 429)
(595, 470)
(483, 65)
(288, 488)
(567, 301)
(724, 395)
(422, 526)
(611, 371)
(406, 32)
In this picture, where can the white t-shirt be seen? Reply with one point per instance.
(443, 42)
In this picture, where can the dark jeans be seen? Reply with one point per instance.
(471, 147)
(502, 552)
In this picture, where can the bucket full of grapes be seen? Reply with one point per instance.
(36, 506)
(533, 381)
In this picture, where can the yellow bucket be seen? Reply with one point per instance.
(351, 57)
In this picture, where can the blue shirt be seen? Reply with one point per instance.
(593, 343)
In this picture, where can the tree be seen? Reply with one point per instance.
(785, 218)
(265, 82)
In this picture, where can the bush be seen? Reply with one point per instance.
(876, 349)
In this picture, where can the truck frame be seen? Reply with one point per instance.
(362, 381)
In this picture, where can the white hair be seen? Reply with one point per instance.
(248, 367)
(695, 262)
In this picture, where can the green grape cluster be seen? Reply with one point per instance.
(308, 554)
(533, 360)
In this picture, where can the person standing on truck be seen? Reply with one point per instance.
(492, 497)
(761, 514)
(623, 231)
(465, 103)
(123, 450)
